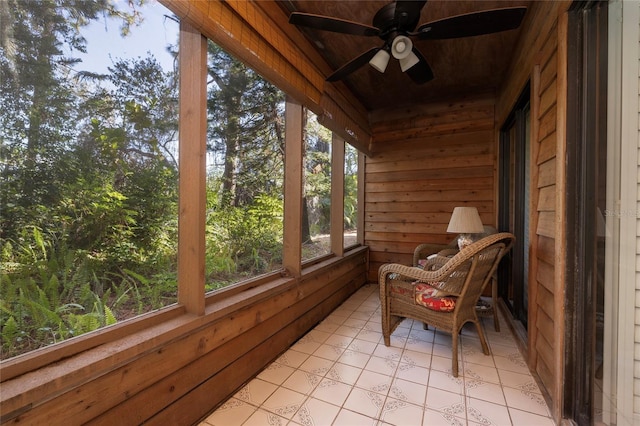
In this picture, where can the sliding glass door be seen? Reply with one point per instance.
(513, 210)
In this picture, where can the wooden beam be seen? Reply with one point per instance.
(220, 22)
(192, 167)
(557, 393)
(361, 197)
(17, 366)
(292, 254)
(337, 195)
(538, 22)
(258, 34)
(337, 115)
(532, 307)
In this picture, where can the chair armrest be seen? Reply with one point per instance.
(410, 273)
(436, 261)
(425, 250)
(449, 252)
(446, 273)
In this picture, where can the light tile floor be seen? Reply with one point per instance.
(342, 374)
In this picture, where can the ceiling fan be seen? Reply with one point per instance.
(396, 22)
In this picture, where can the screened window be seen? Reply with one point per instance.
(350, 195)
(88, 225)
(245, 172)
(316, 206)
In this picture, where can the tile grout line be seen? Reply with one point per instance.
(353, 312)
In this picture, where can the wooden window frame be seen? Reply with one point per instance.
(153, 328)
(337, 187)
(192, 168)
(514, 261)
(294, 129)
(200, 322)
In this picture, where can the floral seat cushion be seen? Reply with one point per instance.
(432, 298)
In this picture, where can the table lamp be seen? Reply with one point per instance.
(465, 221)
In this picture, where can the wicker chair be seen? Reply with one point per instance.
(464, 275)
(423, 251)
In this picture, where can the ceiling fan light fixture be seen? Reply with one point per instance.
(396, 21)
(380, 60)
(401, 47)
(408, 62)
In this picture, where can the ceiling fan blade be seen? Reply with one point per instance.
(472, 24)
(335, 25)
(421, 72)
(353, 65)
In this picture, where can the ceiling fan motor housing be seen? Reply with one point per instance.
(387, 20)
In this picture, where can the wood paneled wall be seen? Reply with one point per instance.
(540, 57)
(174, 372)
(544, 318)
(428, 160)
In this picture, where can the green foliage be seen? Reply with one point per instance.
(245, 240)
(318, 175)
(40, 112)
(89, 194)
(50, 293)
(246, 130)
(44, 294)
(350, 188)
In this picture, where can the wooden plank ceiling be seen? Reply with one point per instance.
(461, 67)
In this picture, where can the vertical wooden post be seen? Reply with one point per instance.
(533, 305)
(337, 195)
(361, 200)
(560, 232)
(292, 249)
(192, 167)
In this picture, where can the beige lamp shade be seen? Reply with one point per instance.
(465, 220)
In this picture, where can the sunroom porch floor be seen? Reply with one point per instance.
(341, 374)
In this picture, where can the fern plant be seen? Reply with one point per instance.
(47, 294)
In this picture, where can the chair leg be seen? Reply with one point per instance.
(454, 353)
(385, 317)
(387, 340)
(494, 301)
(386, 329)
(483, 340)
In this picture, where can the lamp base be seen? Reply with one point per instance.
(465, 239)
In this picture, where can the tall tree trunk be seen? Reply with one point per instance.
(306, 231)
(229, 178)
(39, 100)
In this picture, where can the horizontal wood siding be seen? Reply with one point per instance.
(539, 58)
(179, 378)
(543, 306)
(427, 161)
